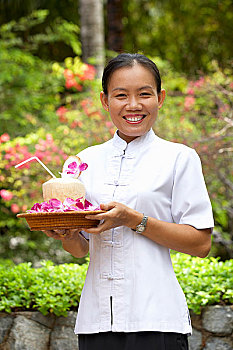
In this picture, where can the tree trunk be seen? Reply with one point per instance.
(92, 32)
(114, 25)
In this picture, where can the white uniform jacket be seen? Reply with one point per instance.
(130, 284)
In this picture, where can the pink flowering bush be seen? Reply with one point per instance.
(4, 138)
(22, 186)
(197, 113)
(72, 120)
(6, 195)
(49, 110)
(79, 74)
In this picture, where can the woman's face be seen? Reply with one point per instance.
(132, 101)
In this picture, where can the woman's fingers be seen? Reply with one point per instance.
(100, 228)
(103, 216)
(108, 206)
(52, 234)
(62, 234)
(71, 233)
(117, 214)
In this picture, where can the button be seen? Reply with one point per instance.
(117, 244)
(110, 276)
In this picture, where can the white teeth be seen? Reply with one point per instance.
(133, 119)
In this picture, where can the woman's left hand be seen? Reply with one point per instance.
(180, 237)
(117, 214)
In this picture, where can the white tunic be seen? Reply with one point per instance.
(162, 180)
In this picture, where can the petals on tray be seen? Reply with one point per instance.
(69, 204)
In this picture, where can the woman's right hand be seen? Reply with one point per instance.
(72, 241)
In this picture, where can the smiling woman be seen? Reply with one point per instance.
(133, 98)
(154, 199)
(133, 107)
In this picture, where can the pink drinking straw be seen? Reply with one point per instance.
(38, 160)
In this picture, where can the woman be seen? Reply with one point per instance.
(155, 199)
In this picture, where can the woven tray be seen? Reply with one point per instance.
(52, 221)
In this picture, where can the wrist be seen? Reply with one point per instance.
(70, 239)
(136, 220)
(77, 246)
(140, 228)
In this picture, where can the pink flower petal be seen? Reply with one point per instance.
(73, 166)
(83, 166)
(71, 208)
(45, 206)
(87, 204)
(79, 204)
(69, 204)
(36, 207)
(73, 169)
(55, 203)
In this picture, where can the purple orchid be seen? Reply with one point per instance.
(36, 208)
(83, 166)
(45, 207)
(56, 206)
(74, 168)
(79, 203)
(69, 204)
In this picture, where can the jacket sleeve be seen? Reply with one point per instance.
(190, 200)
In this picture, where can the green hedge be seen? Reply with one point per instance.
(57, 289)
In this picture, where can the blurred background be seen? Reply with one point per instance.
(52, 54)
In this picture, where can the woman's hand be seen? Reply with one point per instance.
(180, 237)
(72, 241)
(117, 214)
(63, 234)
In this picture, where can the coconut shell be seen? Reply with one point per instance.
(62, 188)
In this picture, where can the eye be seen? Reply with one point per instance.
(121, 95)
(145, 93)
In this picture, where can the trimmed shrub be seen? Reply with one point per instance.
(57, 289)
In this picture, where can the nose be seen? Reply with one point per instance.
(133, 104)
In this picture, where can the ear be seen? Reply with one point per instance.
(104, 100)
(161, 98)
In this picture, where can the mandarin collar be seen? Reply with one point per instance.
(133, 146)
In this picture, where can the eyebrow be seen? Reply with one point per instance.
(146, 87)
(119, 88)
(141, 88)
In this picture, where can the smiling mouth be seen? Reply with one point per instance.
(134, 119)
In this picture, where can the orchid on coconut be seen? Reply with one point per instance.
(66, 193)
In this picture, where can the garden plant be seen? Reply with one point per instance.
(51, 110)
(57, 288)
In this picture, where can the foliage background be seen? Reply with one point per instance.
(189, 34)
(49, 103)
(204, 281)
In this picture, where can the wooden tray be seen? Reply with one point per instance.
(64, 220)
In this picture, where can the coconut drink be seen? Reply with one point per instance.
(64, 205)
(61, 189)
(68, 186)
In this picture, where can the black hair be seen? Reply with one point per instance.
(129, 60)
